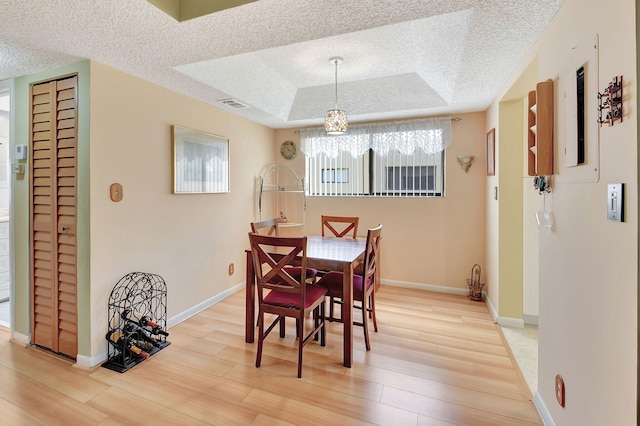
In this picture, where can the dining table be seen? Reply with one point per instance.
(324, 254)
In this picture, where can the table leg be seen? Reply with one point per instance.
(347, 310)
(250, 294)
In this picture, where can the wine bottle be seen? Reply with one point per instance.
(143, 321)
(139, 334)
(122, 343)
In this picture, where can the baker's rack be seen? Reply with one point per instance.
(281, 195)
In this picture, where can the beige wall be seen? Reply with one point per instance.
(189, 240)
(510, 205)
(588, 265)
(511, 231)
(426, 241)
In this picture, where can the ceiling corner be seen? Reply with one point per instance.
(183, 10)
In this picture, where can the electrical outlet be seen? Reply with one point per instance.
(231, 269)
(560, 390)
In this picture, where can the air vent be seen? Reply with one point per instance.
(233, 103)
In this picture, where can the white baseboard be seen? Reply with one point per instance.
(429, 287)
(204, 305)
(530, 319)
(492, 309)
(89, 362)
(23, 339)
(503, 321)
(542, 410)
(511, 322)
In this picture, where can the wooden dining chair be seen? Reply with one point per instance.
(340, 225)
(270, 227)
(282, 294)
(344, 225)
(363, 285)
(265, 227)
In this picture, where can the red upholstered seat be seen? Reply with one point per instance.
(292, 300)
(333, 282)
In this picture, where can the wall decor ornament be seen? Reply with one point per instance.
(610, 103)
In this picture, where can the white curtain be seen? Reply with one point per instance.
(431, 135)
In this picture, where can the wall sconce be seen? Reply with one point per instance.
(465, 162)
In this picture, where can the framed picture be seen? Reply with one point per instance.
(200, 162)
(491, 152)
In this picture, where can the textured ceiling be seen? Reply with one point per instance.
(401, 58)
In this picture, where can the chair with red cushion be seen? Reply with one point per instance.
(270, 227)
(339, 227)
(363, 285)
(282, 294)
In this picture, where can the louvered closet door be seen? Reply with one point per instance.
(53, 215)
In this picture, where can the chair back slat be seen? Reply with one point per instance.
(265, 227)
(371, 256)
(347, 224)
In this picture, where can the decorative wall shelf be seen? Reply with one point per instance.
(540, 134)
(610, 103)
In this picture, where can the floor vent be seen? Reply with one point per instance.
(232, 103)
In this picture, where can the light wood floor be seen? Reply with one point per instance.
(437, 360)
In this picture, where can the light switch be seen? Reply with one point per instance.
(615, 202)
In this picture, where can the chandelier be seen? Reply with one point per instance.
(335, 122)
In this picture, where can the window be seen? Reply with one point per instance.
(404, 178)
(385, 160)
(335, 175)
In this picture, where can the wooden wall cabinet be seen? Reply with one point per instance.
(540, 134)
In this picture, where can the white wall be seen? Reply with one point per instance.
(588, 265)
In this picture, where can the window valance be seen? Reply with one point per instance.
(431, 135)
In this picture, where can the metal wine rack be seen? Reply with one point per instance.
(146, 295)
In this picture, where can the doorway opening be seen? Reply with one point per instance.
(5, 197)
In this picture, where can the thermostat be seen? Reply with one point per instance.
(20, 152)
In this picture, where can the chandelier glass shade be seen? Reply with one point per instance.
(335, 121)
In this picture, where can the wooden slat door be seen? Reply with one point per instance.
(53, 215)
